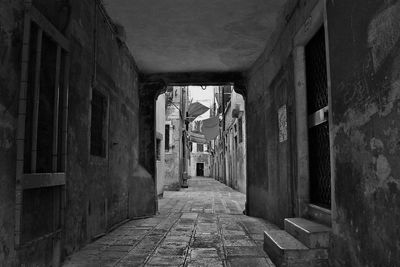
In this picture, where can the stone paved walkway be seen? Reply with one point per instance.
(202, 225)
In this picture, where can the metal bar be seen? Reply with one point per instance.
(50, 30)
(21, 128)
(65, 114)
(64, 137)
(56, 109)
(318, 117)
(36, 100)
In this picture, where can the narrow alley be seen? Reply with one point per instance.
(200, 133)
(202, 225)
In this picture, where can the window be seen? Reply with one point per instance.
(236, 142)
(199, 147)
(158, 149)
(43, 141)
(166, 136)
(98, 129)
(240, 122)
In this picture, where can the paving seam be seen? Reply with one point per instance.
(147, 234)
(249, 235)
(162, 239)
(219, 227)
(191, 241)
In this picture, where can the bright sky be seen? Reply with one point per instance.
(203, 96)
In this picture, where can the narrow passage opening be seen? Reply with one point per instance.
(200, 132)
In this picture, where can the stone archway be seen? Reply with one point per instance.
(145, 179)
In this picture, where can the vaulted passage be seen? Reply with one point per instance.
(305, 121)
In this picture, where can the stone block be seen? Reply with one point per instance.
(311, 234)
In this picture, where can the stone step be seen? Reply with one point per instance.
(319, 214)
(311, 234)
(285, 250)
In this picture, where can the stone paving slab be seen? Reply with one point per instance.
(202, 225)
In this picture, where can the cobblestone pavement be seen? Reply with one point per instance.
(202, 225)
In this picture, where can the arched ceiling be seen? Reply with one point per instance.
(172, 36)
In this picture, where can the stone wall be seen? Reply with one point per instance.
(11, 25)
(365, 74)
(98, 188)
(270, 163)
(364, 51)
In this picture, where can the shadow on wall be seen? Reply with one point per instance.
(141, 194)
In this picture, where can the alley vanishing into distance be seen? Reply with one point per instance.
(200, 133)
(202, 225)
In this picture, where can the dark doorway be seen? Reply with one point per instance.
(317, 105)
(200, 169)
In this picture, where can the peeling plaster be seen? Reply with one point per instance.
(383, 33)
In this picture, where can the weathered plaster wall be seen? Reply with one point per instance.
(98, 188)
(11, 25)
(270, 87)
(199, 157)
(365, 68)
(160, 129)
(173, 164)
(172, 158)
(236, 156)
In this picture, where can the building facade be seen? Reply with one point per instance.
(160, 143)
(229, 148)
(200, 157)
(69, 118)
(175, 129)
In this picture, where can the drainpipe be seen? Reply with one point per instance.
(223, 137)
(184, 141)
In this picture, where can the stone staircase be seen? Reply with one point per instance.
(303, 243)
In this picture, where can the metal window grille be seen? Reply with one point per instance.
(42, 135)
(317, 105)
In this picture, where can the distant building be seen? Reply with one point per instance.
(160, 143)
(229, 148)
(175, 112)
(200, 157)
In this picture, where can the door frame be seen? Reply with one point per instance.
(197, 169)
(316, 19)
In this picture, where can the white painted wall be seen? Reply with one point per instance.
(199, 157)
(160, 131)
